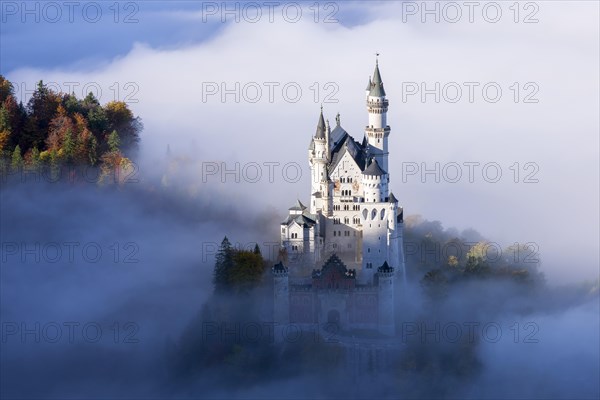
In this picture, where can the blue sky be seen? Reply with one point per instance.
(52, 41)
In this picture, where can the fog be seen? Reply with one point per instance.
(154, 288)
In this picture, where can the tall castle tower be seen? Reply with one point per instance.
(377, 131)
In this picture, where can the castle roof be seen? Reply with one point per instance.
(376, 89)
(320, 134)
(347, 144)
(279, 267)
(334, 264)
(374, 169)
(392, 198)
(369, 84)
(298, 206)
(305, 220)
(385, 268)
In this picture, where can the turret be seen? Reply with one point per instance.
(385, 286)
(377, 130)
(318, 158)
(281, 297)
(375, 183)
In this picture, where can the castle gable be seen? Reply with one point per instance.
(334, 275)
(347, 146)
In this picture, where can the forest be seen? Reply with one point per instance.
(57, 130)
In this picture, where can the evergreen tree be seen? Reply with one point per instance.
(92, 145)
(223, 266)
(257, 249)
(68, 146)
(114, 141)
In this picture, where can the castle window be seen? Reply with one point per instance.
(368, 250)
(334, 233)
(349, 245)
(346, 220)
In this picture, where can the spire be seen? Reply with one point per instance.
(337, 119)
(368, 89)
(377, 84)
(392, 198)
(321, 126)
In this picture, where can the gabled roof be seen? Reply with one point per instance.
(305, 220)
(338, 132)
(334, 264)
(374, 169)
(347, 145)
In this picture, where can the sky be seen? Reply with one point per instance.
(240, 86)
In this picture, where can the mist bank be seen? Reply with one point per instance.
(108, 292)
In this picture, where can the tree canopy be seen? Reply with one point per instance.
(58, 129)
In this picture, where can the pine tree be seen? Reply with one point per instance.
(223, 266)
(92, 144)
(257, 249)
(68, 146)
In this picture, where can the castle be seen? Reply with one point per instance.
(351, 229)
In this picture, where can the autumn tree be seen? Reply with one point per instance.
(17, 158)
(121, 119)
